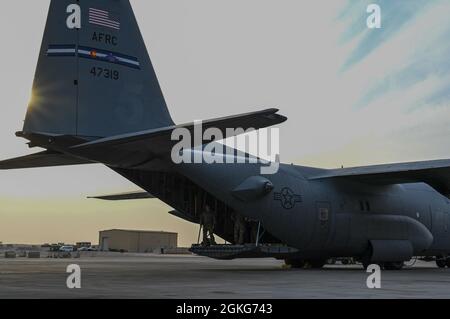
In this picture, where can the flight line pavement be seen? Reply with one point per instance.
(186, 276)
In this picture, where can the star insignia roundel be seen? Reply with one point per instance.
(287, 198)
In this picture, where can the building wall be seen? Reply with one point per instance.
(137, 241)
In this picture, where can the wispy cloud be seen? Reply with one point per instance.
(396, 15)
(396, 82)
(414, 36)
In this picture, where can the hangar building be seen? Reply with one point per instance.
(137, 241)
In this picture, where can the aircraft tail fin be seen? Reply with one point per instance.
(94, 77)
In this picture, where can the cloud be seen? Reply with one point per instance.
(390, 102)
(395, 16)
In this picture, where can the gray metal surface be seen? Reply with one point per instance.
(436, 173)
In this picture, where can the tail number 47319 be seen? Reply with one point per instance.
(106, 73)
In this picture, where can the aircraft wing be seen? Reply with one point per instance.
(42, 159)
(124, 196)
(158, 141)
(435, 173)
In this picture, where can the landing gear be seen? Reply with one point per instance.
(295, 263)
(393, 265)
(366, 264)
(366, 260)
(301, 263)
(316, 264)
(442, 262)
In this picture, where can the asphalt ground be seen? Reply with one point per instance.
(185, 276)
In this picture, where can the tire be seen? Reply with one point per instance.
(366, 258)
(367, 263)
(316, 264)
(398, 265)
(441, 263)
(331, 261)
(345, 261)
(295, 263)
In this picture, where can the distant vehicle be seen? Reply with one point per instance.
(87, 249)
(83, 244)
(66, 249)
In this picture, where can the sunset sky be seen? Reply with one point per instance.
(353, 96)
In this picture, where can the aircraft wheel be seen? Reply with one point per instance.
(366, 264)
(366, 258)
(345, 261)
(316, 264)
(295, 263)
(394, 265)
(441, 263)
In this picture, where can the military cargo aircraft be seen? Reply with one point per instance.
(96, 99)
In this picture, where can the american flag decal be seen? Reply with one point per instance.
(103, 18)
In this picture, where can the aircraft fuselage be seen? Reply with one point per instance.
(335, 218)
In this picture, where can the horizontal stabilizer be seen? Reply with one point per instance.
(42, 159)
(188, 217)
(125, 196)
(158, 141)
(434, 173)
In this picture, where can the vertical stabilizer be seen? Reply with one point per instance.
(94, 75)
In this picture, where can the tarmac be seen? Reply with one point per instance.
(192, 277)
